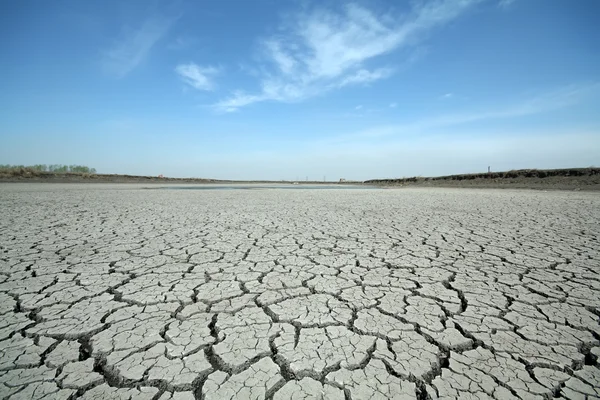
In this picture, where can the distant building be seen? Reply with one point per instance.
(342, 180)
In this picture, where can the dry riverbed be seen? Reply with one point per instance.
(116, 291)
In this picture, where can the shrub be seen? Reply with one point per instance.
(17, 170)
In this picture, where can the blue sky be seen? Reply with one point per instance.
(269, 89)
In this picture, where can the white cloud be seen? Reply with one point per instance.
(284, 61)
(364, 76)
(238, 100)
(197, 77)
(447, 96)
(324, 50)
(393, 105)
(505, 3)
(134, 45)
(358, 107)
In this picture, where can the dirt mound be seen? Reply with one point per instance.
(564, 179)
(32, 175)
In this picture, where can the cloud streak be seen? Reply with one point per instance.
(427, 156)
(133, 46)
(548, 101)
(325, 50)
(505, 3)
(200, 78)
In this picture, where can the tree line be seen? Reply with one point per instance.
(56, 168)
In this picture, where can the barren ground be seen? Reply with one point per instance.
(112, 291)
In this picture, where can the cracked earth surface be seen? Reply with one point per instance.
(119, 292)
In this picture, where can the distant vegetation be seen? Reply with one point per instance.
(512, 174)
(43, 168)
(565, 178)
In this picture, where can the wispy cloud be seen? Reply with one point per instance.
(539, 103)
(428, 156)
(364, 76)
(549, 100)
(133, 46)
(505, 3)
(181, 42)
(393, 105)
(325, 50)
(198, 77)
(238, 100)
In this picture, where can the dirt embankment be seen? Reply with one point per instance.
(544, 179)
(548, 179)
(30, 175)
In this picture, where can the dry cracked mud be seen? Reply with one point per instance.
(120, 292)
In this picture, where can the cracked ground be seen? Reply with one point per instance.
(116, 292)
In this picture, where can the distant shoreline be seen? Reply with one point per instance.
(116, 178)
(553, 179)
(540, 179)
